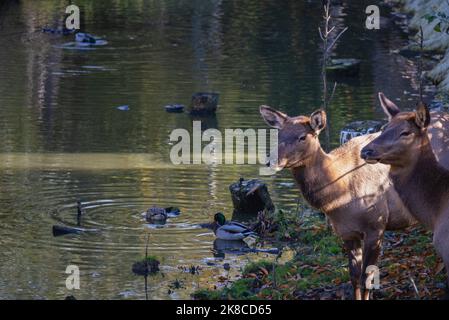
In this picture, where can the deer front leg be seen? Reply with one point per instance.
(371, 251)
(354, 251)
(441, 243)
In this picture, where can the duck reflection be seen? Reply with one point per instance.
(222, 247)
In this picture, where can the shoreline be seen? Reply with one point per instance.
(433, 41)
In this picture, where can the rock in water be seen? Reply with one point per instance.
(345, 67)
(174, 108)
(359, 128)
(250, 197)
(85, 37)
(123, 108)
(204, 103)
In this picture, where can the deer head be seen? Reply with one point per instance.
(401, 139)
(298, 136)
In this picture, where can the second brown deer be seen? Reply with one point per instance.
(358, 199)
(421, 181)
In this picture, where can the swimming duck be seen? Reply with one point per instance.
(230, 230)
(155, 214)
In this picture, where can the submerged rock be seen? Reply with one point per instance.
(86, 38)
(62, 230)
(250, 197)
(359, 128)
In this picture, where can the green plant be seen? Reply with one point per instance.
(442, 21)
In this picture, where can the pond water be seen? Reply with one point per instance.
(63, 138)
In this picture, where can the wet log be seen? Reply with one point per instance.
(250, 197)
(63, 230)
(360, 128)
(204, 103)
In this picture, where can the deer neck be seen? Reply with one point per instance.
(423, 185)
(314, 178)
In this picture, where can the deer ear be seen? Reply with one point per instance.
(422, 118)
(389, 107)
(272, 117)
(318, 120)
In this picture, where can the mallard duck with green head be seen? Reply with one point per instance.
(230, 230)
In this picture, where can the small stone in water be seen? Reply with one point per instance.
(123, 108)
(174, 108)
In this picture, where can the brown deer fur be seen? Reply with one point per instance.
(421, 181)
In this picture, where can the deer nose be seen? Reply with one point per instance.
(367, 153)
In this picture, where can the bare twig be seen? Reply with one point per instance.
(415, 288)
(336, 38)
(420, 63)
(146, 247)
(333, 92)
(324, 33)
(146, 261)
(326, 99)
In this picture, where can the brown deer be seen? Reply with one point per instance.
(358, 199)
(438, 130)
(420, 180)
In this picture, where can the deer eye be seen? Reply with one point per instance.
(302, 138)
(405, 134)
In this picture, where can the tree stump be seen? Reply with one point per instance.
(250, 197)
(204, 103)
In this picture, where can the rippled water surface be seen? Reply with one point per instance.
(62, 137)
